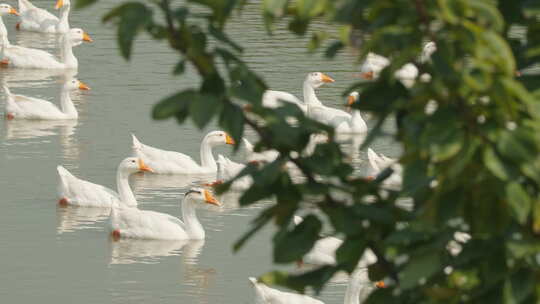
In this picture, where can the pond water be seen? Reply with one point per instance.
(64, 255)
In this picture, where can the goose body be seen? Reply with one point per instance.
(170, 162)
(27, 58)
(143, 224)
(229, 169)
(273, 99)
(35, 19)
(379, 162)
(358, 289)
(24, 107)
(342, 121)
(251, 155)
(324, 251)
(78, 192)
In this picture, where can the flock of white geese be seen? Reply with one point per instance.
(126, 220)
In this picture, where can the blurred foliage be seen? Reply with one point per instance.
(472, 166)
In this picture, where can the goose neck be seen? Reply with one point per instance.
(194, 228)
(207, 158)
(310, 98)
(127, 197)
(68, 58)
(3, 33)
(67, 104)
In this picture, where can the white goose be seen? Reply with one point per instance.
(358, 289)
(36, 19)
(144, 224)
(229, 169)
(26, 58)
(379, 162)
(324, 251)
(170, 162)
(11, 51)
(342, 121)
(251, 155)
(78, 192)
(273, 99)
(24, 107)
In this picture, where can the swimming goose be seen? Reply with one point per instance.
(379, 162)
(144, 224)
(36, 19)
(78, 192)
(273, 99)
(24, 107)
(358, 289)
(324, 251)
(229, 169)
(170, 162)
(26, 58)
(342, 121)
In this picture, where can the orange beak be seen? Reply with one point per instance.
(380, 284)
(229, 140)
(367, 75)
(14, 12)
(210, 199)
(86, 37)
(327, 79)
(350, 100)
(83, 86)
(4, 62)
(59, 4)
(144, 167)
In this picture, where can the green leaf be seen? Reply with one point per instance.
(132, 17)
(203, 108)
(350, 252)
(333, 49)
(180, 67)
(495, 164)
(519, 201)
(420, 267)
(292, 245)
(232, 121)
(174, 104)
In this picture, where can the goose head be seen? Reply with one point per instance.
(77, 35)
(216, 138)
(6, 9)
(75, 84)
(428, 50)
(317, 79)
(62, 3)
(132, 165)
(351, 99)
(201, 195)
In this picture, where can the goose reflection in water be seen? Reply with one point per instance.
(132, 251)
(31, 129)
(35, 78)
(72, 218)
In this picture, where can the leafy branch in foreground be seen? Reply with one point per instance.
(471, 163)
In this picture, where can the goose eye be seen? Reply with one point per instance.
(133, 161)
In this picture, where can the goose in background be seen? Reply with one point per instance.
(170, 162)
(324, 251)
(251, 155)
(26, 58)
(143, 224)
(24, 107)
(228, 169)
(78, 192)
(379, 162)
(374, 64)
(357, 291)
(342, 121)
(36, 19)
